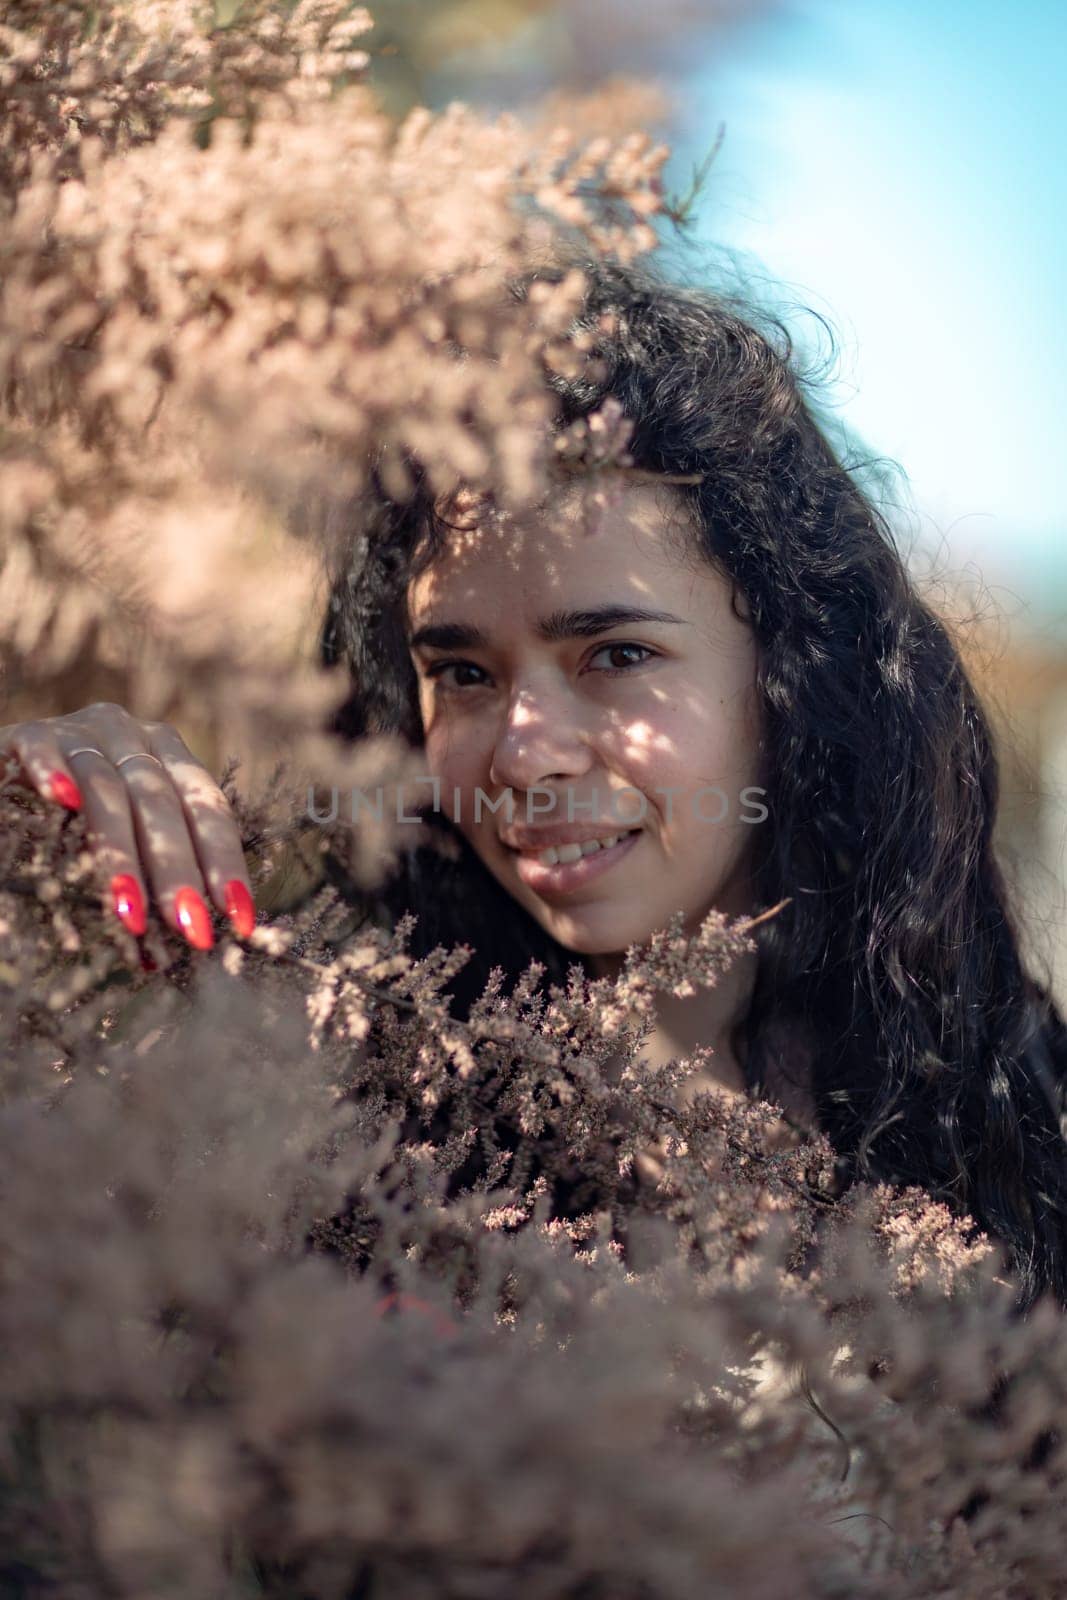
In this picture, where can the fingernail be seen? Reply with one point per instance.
(65, 790)
(129, 904)
(194, 919)
(240, 908)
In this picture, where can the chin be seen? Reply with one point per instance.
(606, 936)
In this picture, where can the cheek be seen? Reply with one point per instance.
(456, 753)
(683, 749)
(725, 745)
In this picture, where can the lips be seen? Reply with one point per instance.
(567, 854)
(531, 841)
(564, 877)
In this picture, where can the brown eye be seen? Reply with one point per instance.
(439, 668)
(618, 650)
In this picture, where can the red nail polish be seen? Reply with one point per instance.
(194, 919)
(129, 903)
(240, 908)
(65, 790)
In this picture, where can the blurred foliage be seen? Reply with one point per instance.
(503, 52)
(411, 39)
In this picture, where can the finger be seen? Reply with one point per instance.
(110, 830)
(211, 825)
(165, 846)
(138, 828)
(41, 764)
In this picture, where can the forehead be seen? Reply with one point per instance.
(638, 536)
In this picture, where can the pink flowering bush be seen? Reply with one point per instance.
(308, 1287)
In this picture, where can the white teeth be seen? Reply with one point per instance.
(567, 853)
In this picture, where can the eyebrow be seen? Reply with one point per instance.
(558, 625)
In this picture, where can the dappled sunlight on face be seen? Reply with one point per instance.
(587, 669)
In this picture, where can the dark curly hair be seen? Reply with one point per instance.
(934, 1058)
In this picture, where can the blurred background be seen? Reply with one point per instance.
(889, 179)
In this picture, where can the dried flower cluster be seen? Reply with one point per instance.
(306, 1286)
(211, 316)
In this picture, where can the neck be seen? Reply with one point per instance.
(706, 1018)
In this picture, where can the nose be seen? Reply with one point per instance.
(541, 739)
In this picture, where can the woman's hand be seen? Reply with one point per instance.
(155, 816)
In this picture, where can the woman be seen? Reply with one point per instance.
(751, 632)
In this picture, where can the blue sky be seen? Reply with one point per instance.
(901, 169)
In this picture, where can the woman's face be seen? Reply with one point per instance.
(539, 693)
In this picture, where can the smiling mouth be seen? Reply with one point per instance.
(561, 868)
(566, 854)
